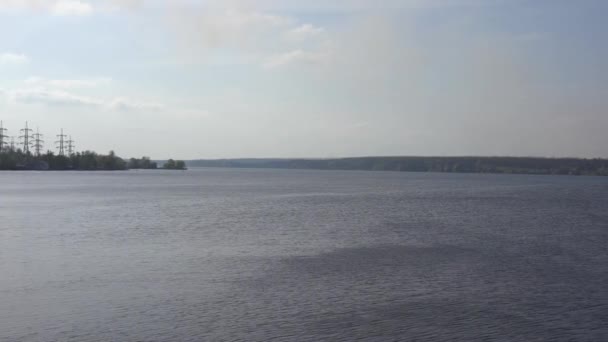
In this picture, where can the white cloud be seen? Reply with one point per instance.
(202, 29)
(295, 57)
(304, 31)
(125, 104)
(13, 58)
(50, 97)
(309, 5)
(71, 7)
(356, 5)
(84, 7)
(61, 97)
(249, 33)
(56, 7)
(21, 4)
(64, 92)
(131, 4)
(67, 83)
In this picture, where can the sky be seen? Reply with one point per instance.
(309, 79)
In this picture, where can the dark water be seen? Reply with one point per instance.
(257, 255)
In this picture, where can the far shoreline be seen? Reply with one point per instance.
(485, 165)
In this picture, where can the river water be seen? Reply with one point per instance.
(286, 255)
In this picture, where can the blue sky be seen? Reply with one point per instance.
(269, 78)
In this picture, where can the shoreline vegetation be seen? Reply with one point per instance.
(505, 165)
(92, 161)
(80, 161)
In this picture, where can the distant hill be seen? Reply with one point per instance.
(519, 165)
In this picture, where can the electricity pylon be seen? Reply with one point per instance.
(61, 143)
(12, 144)
(70, 146)
(26, 138)
(38, 142)
(3, 137)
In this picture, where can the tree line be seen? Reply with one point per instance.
(12, 159)
(514, 165)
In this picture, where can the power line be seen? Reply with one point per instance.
(61, 143)
(38, 142)
(3, 137)
(26, 138)
(70, 146)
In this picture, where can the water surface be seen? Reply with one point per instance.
(257, 255)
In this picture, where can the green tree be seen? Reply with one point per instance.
(170, 164)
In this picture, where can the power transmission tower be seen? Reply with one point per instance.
(26, 139)
(12, 144)
(70, 146)
(38, 142)
(3, 137)
(61, 143)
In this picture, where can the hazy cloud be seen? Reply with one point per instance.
(62, 97)
(13, 58)
(338, 77)
(338, 5)
(247, 33)
(125, 104)
(56, 7)
(68, 83)
(130, 4)
(204, 28)
(71, 7)
(23, 4)
(295, 57)
(51, 97)
(61, 92)
(304, 31)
